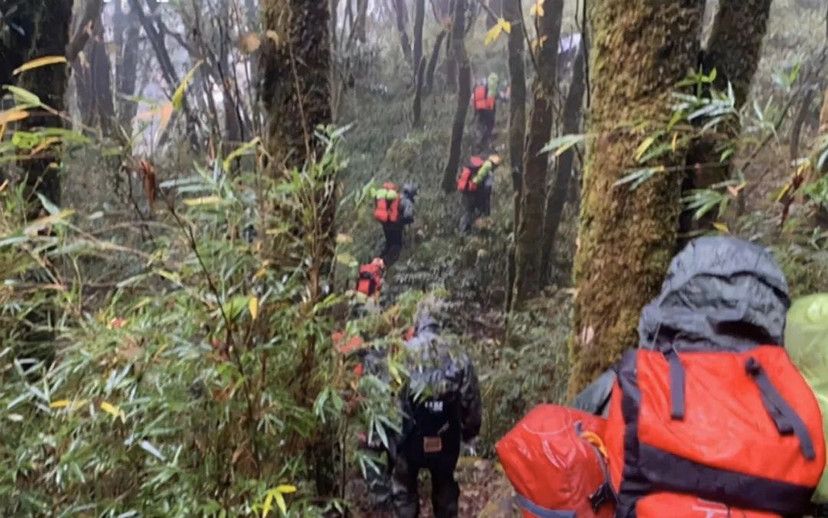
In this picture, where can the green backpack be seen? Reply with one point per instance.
(806, 339)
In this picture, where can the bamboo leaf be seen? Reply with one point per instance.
(561, 144)
(63, 403)
(24, 97)
(537, 8)
(280, 502)
(12, 116)
(178, 96)
(152, 450)
(286, 489)
(644, 146)
(721, 227)
(253, 306)
(40, 62)
(492, 34)
(239, 152)
(205, 200)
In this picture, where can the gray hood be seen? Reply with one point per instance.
(721, 293)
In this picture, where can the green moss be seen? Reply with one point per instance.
(626, 237)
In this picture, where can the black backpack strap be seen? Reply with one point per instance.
(785, 418)
(677, 383)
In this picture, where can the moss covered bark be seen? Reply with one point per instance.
(458, 33)
(296, 78)
(517, 123)
(529, 239)
(557, 197)
(51, 36)
(640, 50)
(734, 50)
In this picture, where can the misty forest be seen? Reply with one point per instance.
(213, 211)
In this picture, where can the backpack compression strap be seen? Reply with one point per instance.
(784, 417)
(541, 512)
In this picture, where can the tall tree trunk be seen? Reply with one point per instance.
(529, 238)
(127, 40)
(517, 123)
(626, 236)
(93, 80)
(156, 39)
(463, 96)
(432, 62)
(418, 95)
(419, 21)
(362, 21)
(296, 81)
(451, 60)
(734, 50)
(49, 83)
(402, 23)
(560, 188)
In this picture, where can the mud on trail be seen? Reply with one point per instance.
(484, 493)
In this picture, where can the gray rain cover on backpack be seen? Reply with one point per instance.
(720, 293)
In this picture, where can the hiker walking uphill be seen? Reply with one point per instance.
(441, 407)
(484, 99)
(475, 185)
(394, 211)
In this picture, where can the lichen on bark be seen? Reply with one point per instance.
(626, 237)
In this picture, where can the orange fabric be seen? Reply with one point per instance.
(481, 99)
(346, 347)
(464, 182)
(550, 464)
(726, 425)
(674, 505)
(370, 279)
(388, 211)
(614, 438)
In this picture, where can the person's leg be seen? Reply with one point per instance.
(404, 494)
(467, 220)
(486, 201)
(393, 244)
(445, 491)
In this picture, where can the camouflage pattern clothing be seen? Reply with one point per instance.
(441, 407)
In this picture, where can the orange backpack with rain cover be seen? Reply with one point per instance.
(482, 102)
(739, 428)
(369, 281)
(388, 211)
(553, 458)
(464, 182)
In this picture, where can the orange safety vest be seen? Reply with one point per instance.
(464, 182)
(370, 279)
(482, 101)
(388, 211)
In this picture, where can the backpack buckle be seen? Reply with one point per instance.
(601, 496)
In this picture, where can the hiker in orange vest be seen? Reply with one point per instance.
(394, 210)
(475, 186)
(369, 281)
(484, 98)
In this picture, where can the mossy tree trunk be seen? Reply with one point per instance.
(51, 37)
(402, 27)
(734, 50)
(432, 62)
(463, 95)
(296, 78)
(556, 200)
(640, 51)
(93, 81)
(517, 120)
(529, 238)
(127, 32)
(419, 22)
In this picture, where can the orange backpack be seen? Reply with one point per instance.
(739, 428)
(481, 98)
(388, 211)
(553, 459)
(675, 505)
(464, 182)
(370, 279)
